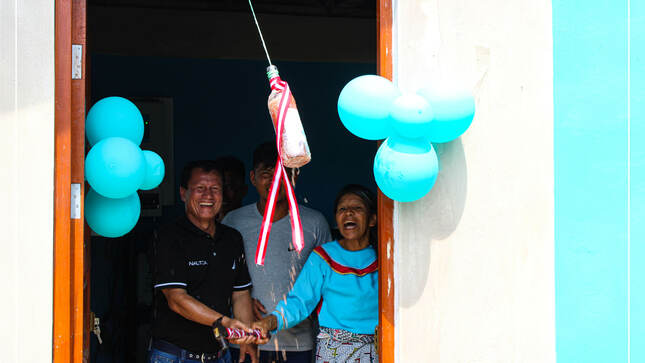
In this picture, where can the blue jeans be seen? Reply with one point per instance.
(157, 356)
(277, 357)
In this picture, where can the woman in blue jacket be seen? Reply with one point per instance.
(339, 281)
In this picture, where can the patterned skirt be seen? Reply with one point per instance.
(342, 346)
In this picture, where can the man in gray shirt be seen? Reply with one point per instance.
(282, 263)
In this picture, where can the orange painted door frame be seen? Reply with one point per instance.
(385, 205)
(71, 274)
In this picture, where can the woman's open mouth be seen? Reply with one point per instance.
(350, 225)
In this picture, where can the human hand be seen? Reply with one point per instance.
(265, 325)
(250, 349)
(236, 324)
(258, 309)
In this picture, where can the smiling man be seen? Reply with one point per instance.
(282, 263)
(200, 276)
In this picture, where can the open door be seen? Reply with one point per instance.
(71, 269)
(71, 258)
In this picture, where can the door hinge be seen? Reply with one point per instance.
(76, 201)
(77, 61)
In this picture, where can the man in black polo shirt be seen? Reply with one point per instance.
(200, 276)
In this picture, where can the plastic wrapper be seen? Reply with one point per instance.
(294, 147)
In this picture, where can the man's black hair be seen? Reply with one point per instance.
(265, 154)
(232, 164)
(206, 165)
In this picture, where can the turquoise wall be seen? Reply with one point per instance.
(597, 231)
(637, 251)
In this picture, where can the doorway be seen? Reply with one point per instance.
(211, 88)
(186, 68)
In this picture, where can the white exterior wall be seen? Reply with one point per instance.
(26, 179)
(474, 258)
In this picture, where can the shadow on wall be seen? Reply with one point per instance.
(434, 218)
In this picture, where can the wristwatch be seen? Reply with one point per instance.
(217, 323)
(218, 331)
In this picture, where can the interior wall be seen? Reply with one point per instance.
(26, 179)
(220, 109)
(211, 34)
(475, 270)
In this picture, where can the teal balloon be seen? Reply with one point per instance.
(115, 167)
(364, 106)
(114, 117)
(155, 170)
(453, 112)
(406, 176)
(417, 145)
(111, 217)
(411, 116)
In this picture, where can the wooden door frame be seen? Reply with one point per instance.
(385, 205)
(71, 275)
(71, 325)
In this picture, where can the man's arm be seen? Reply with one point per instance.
(243, 310)
(192, 309)
(243, 306)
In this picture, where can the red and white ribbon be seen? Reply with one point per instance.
(280, 173)
(232, 333)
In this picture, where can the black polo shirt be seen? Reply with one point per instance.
(209, 268)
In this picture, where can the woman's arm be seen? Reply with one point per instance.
(301, 300)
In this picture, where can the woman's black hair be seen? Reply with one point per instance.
(369, 199)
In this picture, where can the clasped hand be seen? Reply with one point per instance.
(264, 324)
(248, 339)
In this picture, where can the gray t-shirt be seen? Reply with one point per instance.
(282, 264)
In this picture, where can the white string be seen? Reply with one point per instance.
(260, 31)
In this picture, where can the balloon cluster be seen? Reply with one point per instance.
(406, 164)
(116, 167)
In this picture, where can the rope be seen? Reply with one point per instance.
(260, 32)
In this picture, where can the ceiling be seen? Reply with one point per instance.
(329, 8)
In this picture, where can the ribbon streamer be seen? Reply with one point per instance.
(280, 173)
(232, 333)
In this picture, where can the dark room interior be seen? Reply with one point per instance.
(197, 71)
